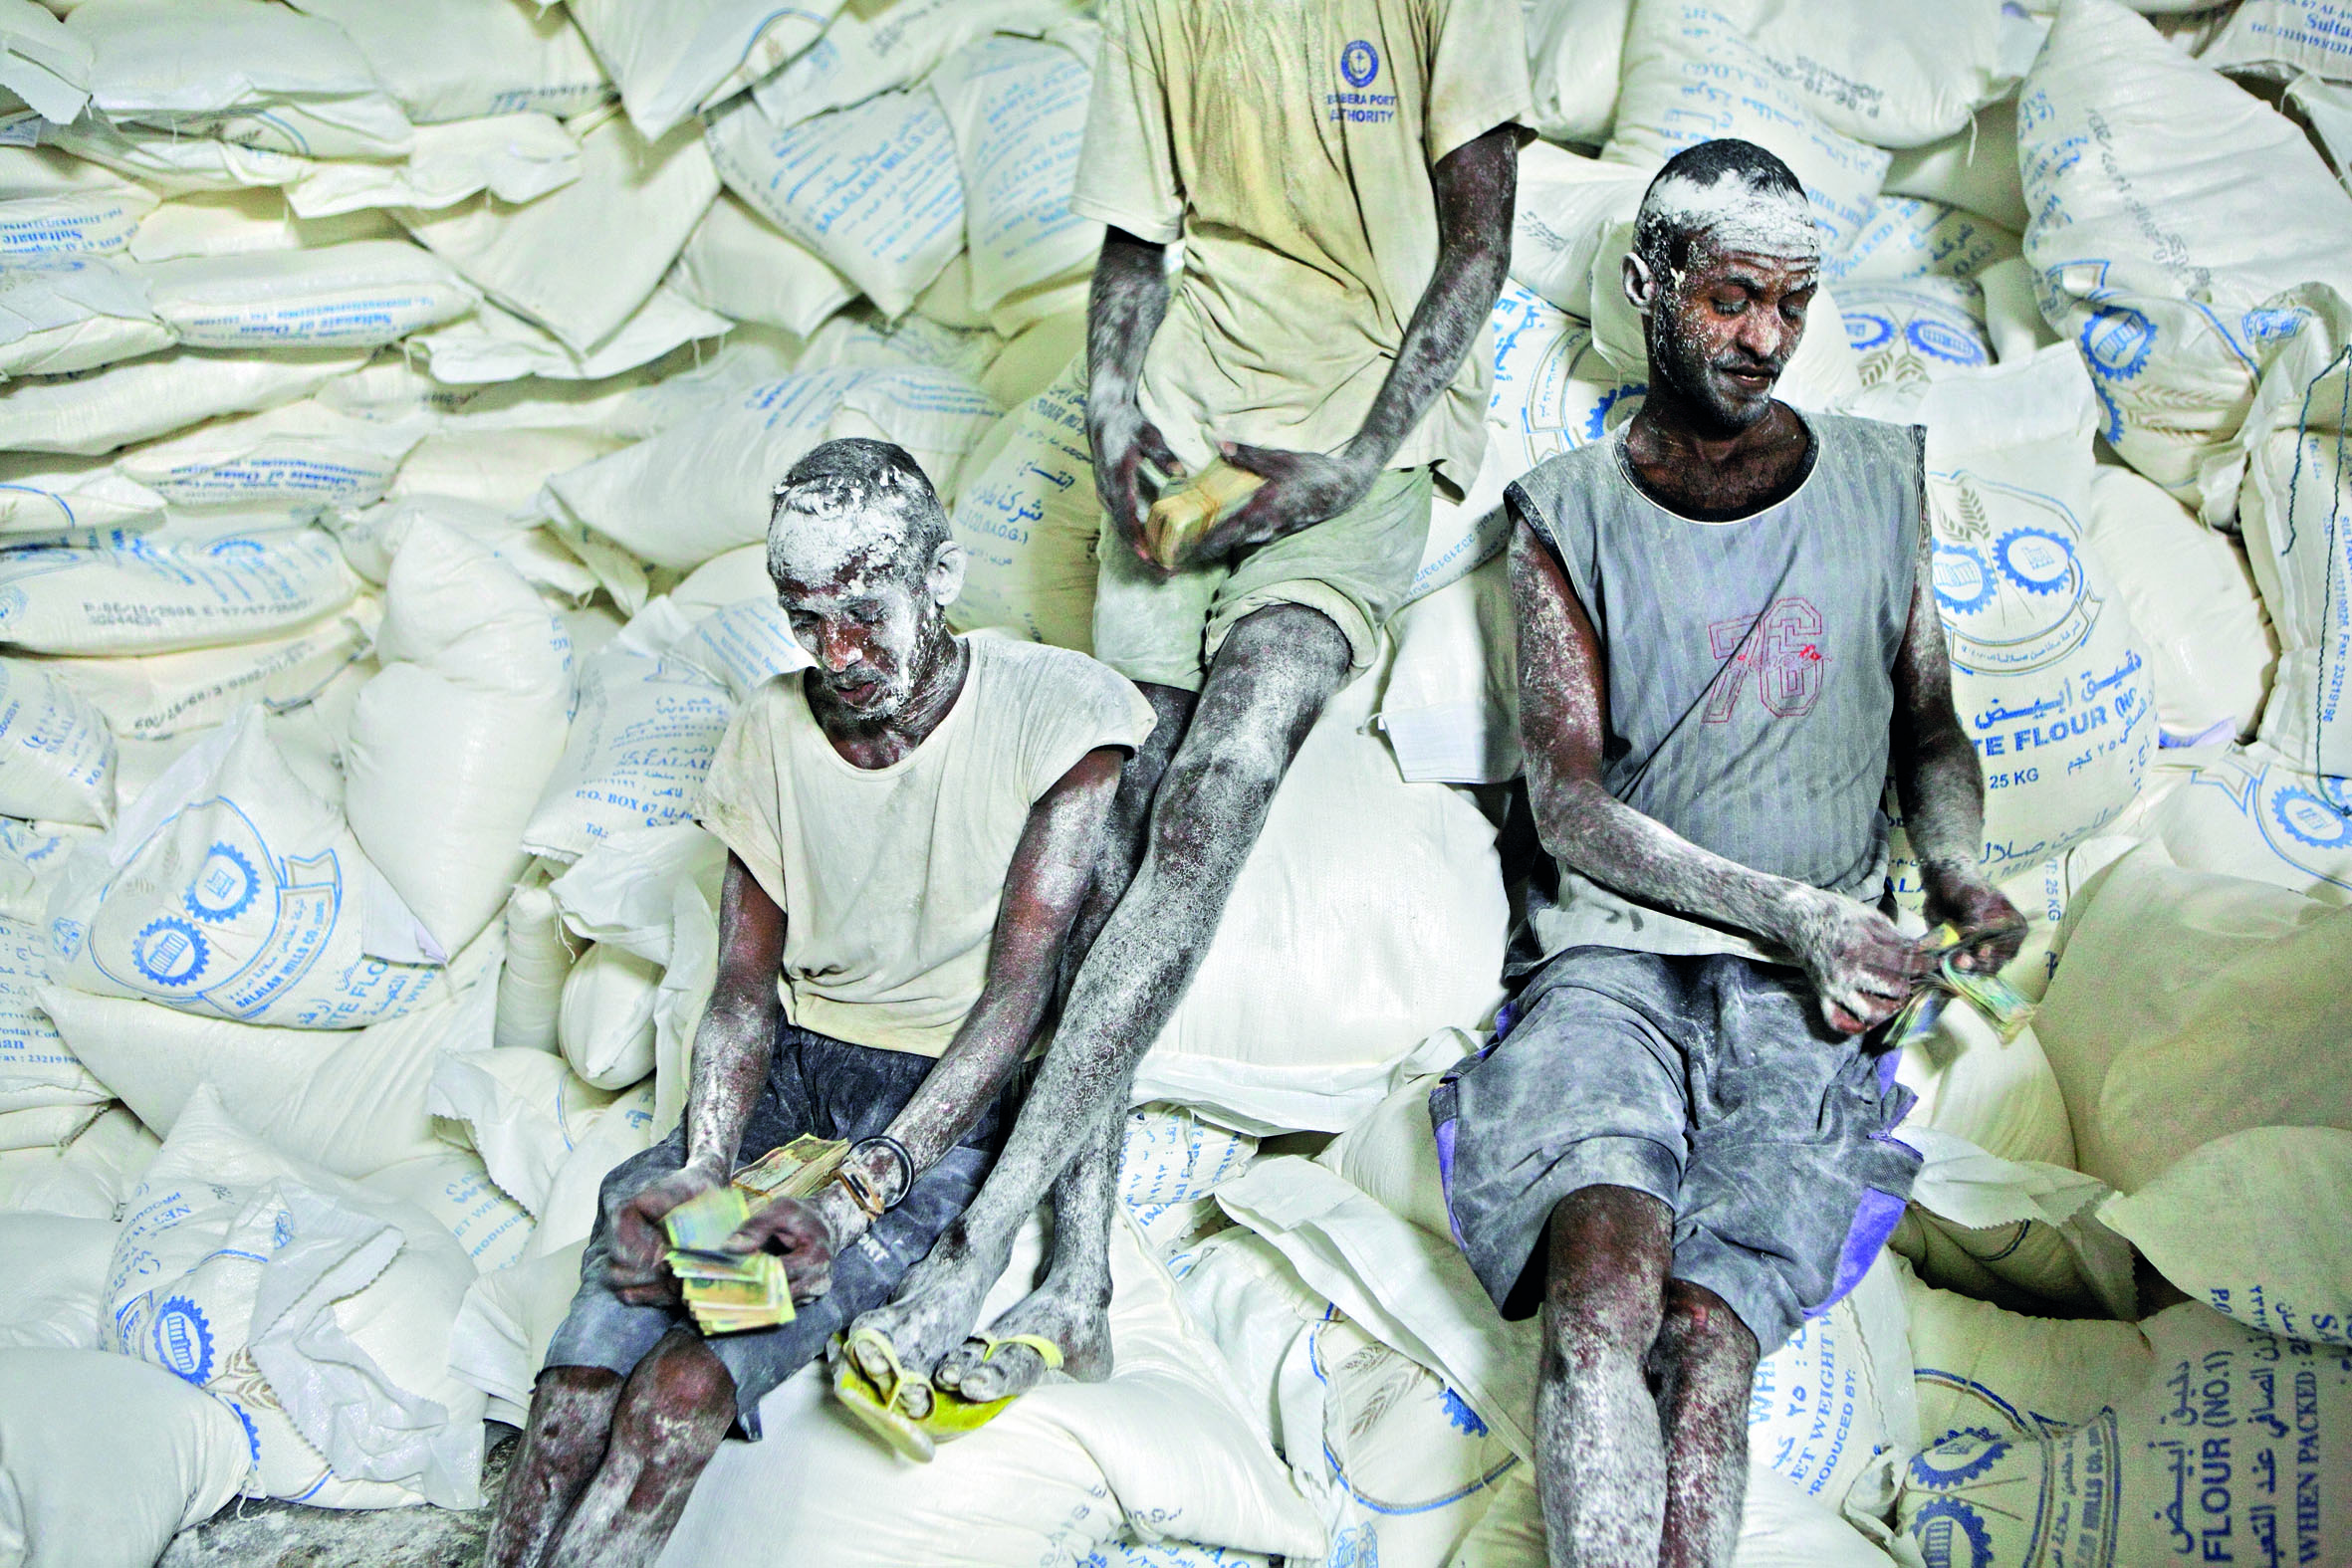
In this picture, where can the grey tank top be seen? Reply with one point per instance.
(1751, 665)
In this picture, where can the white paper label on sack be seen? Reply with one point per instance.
(875, 190)
(2232, 1453)
(72, 223)
(451, 60)
(230, 890)
(632, 208)
(300, 459)
(1693, 73)
(2047, 680)
(642, 740)
(2159, 258)
(137, 595)
(97, 412)
(694, 53)
(1028, 521)
(1018, 109)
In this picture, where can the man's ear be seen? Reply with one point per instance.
(946, 578)
(1641, 285)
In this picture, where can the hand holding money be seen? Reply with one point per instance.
(2001, 1003)
(1180, 517)
(721, 1240)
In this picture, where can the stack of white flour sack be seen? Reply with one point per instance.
(392, 394)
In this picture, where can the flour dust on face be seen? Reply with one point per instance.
(870, 610)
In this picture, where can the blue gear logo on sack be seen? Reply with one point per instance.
(2014, 598)
(1553, 387)
(2305, 820)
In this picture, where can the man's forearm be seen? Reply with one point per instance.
(730, 1068)
(1124, 308)
(1943, 798)
(1588, 831)
(1477, 185)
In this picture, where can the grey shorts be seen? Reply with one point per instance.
(819, 1085)
(1708, 1082)
(1356, 569)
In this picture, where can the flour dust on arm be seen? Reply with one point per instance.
(1125, 309)
(1860, 963)
(1476, 188)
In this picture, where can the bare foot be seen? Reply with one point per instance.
(1076, 1319)
(936, 1306)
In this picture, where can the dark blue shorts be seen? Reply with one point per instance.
(817, 1085)
(1711, 1083)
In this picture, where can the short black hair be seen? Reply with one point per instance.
(1661, 238)
(855, 474)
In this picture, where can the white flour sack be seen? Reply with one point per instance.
(230, 890)
(41, 495)
(140, 593)
(2191, 1006)
(1028, 519)
(1368, 914)
(703, 486)
(57, 755)
(641, 744)
(538, 958)
(459, 59)
(742, 645)
(2157, 252)
(631, 208)
(107, 1457)
(498, 345)
(1916, 237)
(526, 1112)
(2296, 509)
(1565, 207)
(318, 1311)
(2242, 812)
(240, 71)
(2233, 1452)
(743, 267)
(606, 1027)
(97, 221)
(693, 53)
(156, 695)
(875, 190)
(452, 741)
(1906, 335)
(1780, 1527)
(2254, 1225)
(1695, 73)
(360, 295)
(1555, 390)
(1573, 52)
(515, 157)
(99, 411)
(1018, 109)
(2192, 600)
(74, 313)
(350, 1101)
(299, 460)
(2306, 34)
(2047, 676)
(452, 1186)
(88, 1177)
(37, 1069)
(1977, 1368)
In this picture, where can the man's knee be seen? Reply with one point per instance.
(679, 1402)
(1605, 1279)
(1700, 1330)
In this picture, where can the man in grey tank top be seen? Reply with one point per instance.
(1682, 1144)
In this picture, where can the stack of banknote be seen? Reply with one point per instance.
(2001, 1003)
(727, 1291)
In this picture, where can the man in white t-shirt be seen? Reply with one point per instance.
(1340, 175)
(910, 827)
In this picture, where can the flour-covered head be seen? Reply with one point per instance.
(1725, 257)
(865, 567)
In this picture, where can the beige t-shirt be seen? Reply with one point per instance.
(889, 878)
(1288, 143)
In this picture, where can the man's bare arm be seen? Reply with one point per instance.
(729, 1069)
(1124, 308)
(1941, 790)
(1858, 962)
(1475, 185)
(1044, 888)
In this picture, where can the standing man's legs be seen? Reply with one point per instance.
(1268, 682)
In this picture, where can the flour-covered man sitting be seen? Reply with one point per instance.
(910, 828)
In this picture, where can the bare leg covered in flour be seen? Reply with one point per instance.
(1193, 802)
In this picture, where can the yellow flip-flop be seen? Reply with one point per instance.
(877, 1407)
(953, 1416)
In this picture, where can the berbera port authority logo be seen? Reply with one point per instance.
(1356, 103)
